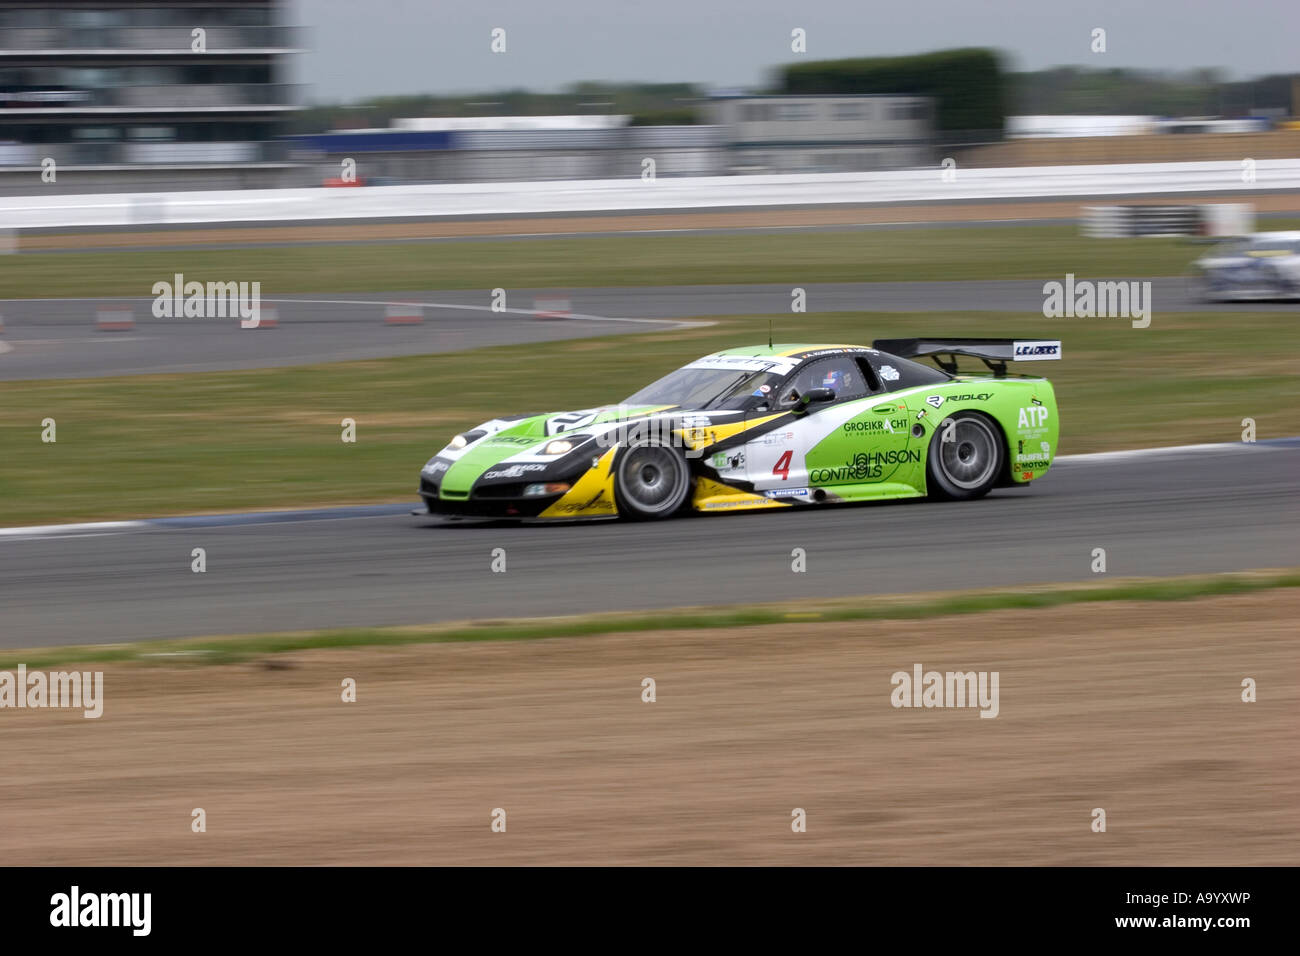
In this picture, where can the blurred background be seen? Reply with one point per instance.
(240, 94)
(386, 174)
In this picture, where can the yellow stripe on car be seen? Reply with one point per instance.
(591, 496)
(696, 438)
(711, 495)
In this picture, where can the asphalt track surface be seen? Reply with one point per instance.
(1204, 509)
(56, 338)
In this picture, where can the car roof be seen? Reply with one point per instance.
(1292, 236)
(797, 353)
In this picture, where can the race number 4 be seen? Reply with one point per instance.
(782, 466)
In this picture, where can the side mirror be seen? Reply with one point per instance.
(814, 396)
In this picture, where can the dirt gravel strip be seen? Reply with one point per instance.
(1011, 210)
(1131, 707)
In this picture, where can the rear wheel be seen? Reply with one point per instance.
(651, 482)
(970, 463)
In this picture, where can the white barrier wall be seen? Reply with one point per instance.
(612, 195)
(1204, 219)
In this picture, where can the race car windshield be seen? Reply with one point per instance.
(707, 388)
(1260, 247)
(1274, 247)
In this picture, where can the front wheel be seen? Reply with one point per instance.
(965, 458)
(651, 482)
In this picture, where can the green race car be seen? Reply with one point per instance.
(779, 426)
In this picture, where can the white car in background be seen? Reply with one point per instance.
(1263, 265)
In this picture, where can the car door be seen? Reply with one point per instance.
(863, 440)
(778, 460)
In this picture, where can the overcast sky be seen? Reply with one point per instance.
(362, 48)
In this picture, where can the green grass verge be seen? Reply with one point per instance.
(270, 438)
(797, 258)
(221, 650)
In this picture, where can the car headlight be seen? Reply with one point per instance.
(464, 438)
(549, 488)
(562, 446)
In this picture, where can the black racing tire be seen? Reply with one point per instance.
(971, 464)
(651, 482)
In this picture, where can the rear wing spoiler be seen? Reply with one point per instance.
(995, 353)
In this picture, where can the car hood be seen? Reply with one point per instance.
(514, 447)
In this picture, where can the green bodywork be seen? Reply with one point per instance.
(859, 449)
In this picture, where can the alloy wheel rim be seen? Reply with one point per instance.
(651, 478)
(969, 459)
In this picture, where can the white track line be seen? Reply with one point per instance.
(1100, 456)
(427, 305)
(47, 530)
(487, 308)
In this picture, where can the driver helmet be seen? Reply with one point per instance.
(835, 379)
